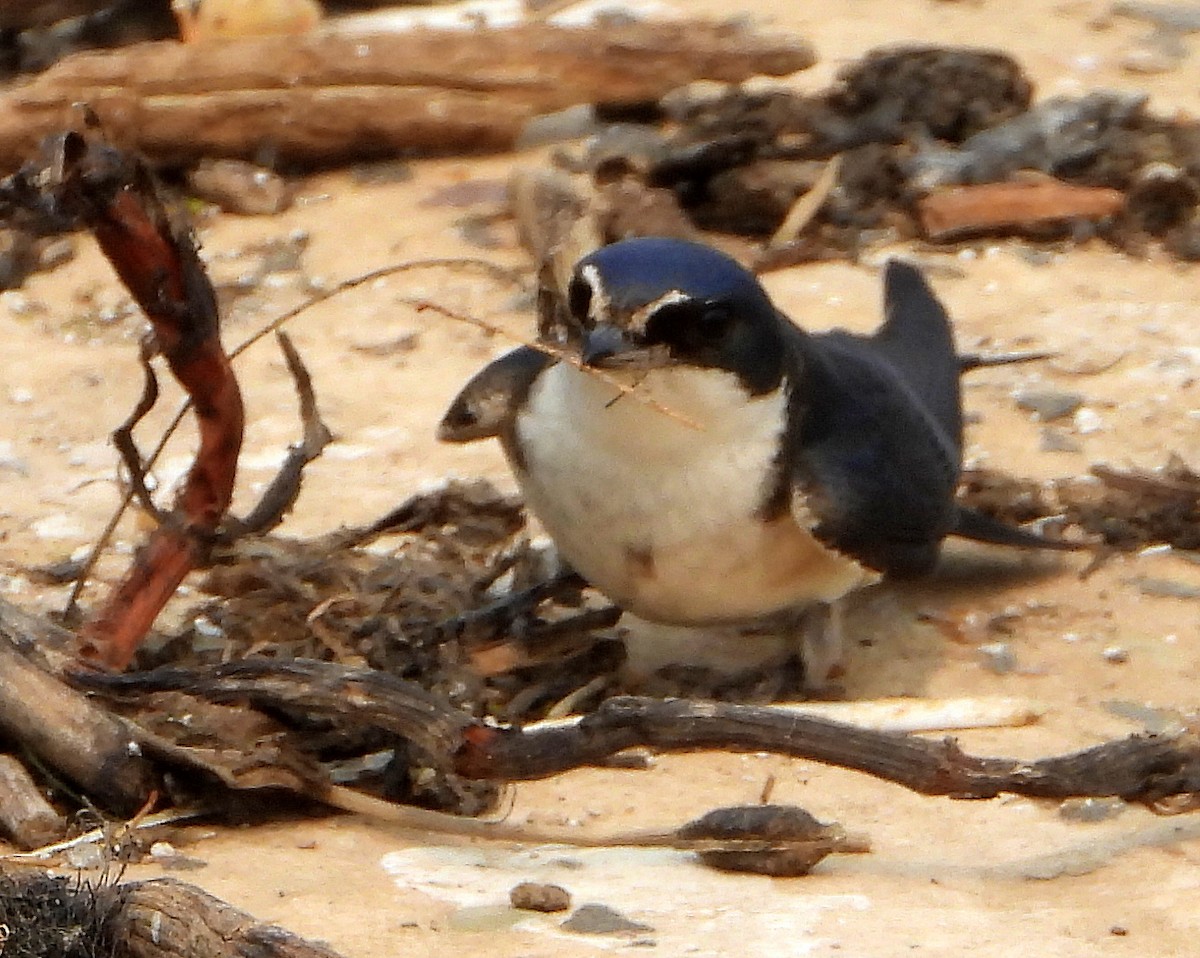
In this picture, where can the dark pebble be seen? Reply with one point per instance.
(534, 896)
(596, 919)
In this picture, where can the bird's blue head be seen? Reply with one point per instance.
(654, 302)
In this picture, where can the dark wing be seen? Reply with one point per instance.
(917, 341)
(877, 436)
(867, 458)
(486, 407)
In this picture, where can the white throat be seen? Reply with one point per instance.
(678, 413)
(663, 517)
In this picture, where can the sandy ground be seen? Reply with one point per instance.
(999, 878)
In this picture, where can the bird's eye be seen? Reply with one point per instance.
(690, 326)
(579, 298)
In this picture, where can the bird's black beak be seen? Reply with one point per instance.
(607, 347)
(603, 343)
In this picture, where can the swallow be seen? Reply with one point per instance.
(797, 467)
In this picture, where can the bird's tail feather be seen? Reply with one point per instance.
(917, 340)
(972, 524)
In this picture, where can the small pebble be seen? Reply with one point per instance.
(58, 526)
(1150, 60)
(1088, 421)
(998, 657)
(535, 896)
(240, 187)
(55, 251)
(18, 304)
(1165, 588)
(10, 461)
(1116, 654)
(57, 573)
(595, 919)
(1055, 440)
(573, 123)
(1048, 404)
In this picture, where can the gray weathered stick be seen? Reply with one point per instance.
(25, 815)
(324, 98)
(60, 727)
(170, 919)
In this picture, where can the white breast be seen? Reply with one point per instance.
(662, 517)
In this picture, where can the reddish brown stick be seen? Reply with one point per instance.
(157, 261)
(965, 210)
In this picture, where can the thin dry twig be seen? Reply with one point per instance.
(104, 833)
(806, 207)
(122, 436)
(281, 494)
(71, 610)
(625, 389)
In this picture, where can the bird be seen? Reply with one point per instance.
(702, 460)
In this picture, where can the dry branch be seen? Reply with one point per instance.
(63, 730)
(1141, 767)
(156, 259)
(1144, 768)
(323, 98)
(44, 914)
(171, 919)
(283, 491)
(25, 815)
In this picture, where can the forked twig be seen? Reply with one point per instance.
(122, 436)
(279, 497)
(71, 611)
